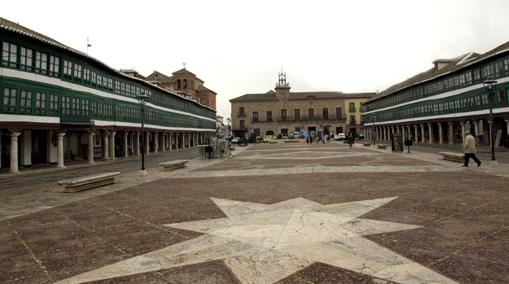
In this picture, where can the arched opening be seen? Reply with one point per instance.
(185, 84)
(178, 84)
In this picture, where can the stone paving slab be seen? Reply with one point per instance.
(88, 234)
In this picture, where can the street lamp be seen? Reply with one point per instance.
(142, 97)
(488, 85)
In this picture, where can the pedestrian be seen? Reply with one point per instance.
(469, 147)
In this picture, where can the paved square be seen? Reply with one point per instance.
(276, 213)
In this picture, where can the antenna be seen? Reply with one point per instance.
(88, 44)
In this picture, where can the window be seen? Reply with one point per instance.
(283, 114)
(241, 124)
(26, 58)
(296, 114)
(269, 116)
(352, 119)
(351, 107)
(9, 100)
(41, 62)
(40, 103)
(86, 74)
(325, 113)
(255, 116)
(67, 68)
(9, 54)
(241, 112)
(338, 113)
(184, 84)
(93, 77)
(311, 113)
(77, 71)
(178, 84)
(53, 104)
(25, 104)
(54, 66)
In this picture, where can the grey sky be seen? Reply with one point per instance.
(238, 47)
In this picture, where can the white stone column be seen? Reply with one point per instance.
(183, 140)
(14, 152)
(481, 127)
(156, 142)
(60, 150)
(189, 139)
(91, 142)
(112, 145)
(170, 141)
(476, 129)
(462, 131)
(403, 134)
(106, 146)
(138, 142)
(416, 130)
(430, 133)
(126, 147)
(165, 141)
(423, 136)
(440, 134)
(451, 132)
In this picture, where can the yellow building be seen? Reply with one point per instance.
(353, 113)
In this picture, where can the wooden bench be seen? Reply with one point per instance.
(173, 165)
(367, 144)
(381, 146)
(453, 157)
(88, 182)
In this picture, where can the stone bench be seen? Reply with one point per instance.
(88, 182)
(367, 144)
(381, 146)
(453, 157)
(173, 165)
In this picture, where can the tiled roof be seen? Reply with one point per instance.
(456, 64)
(271, 96)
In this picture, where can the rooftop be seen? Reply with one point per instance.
(451, 65)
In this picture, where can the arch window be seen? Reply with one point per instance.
(184, 83)
(178, 84)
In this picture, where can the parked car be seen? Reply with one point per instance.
(235, 140)
(339, 136)
(267, 138)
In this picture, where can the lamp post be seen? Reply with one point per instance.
(488, 85)
(142, 97)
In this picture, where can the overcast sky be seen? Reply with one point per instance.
(238, 47)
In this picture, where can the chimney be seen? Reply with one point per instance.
(441, 63)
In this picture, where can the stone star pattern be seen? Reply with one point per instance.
(264, 243)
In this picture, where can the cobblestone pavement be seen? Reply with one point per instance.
(404, 217)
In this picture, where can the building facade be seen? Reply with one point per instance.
(58, 104)
(185, 83)
(283, 112)
(439, 105)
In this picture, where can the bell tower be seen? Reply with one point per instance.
(282, 86)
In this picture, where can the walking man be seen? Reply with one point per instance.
(469, 147)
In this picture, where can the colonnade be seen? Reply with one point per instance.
(129, 143)
(441, 132)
